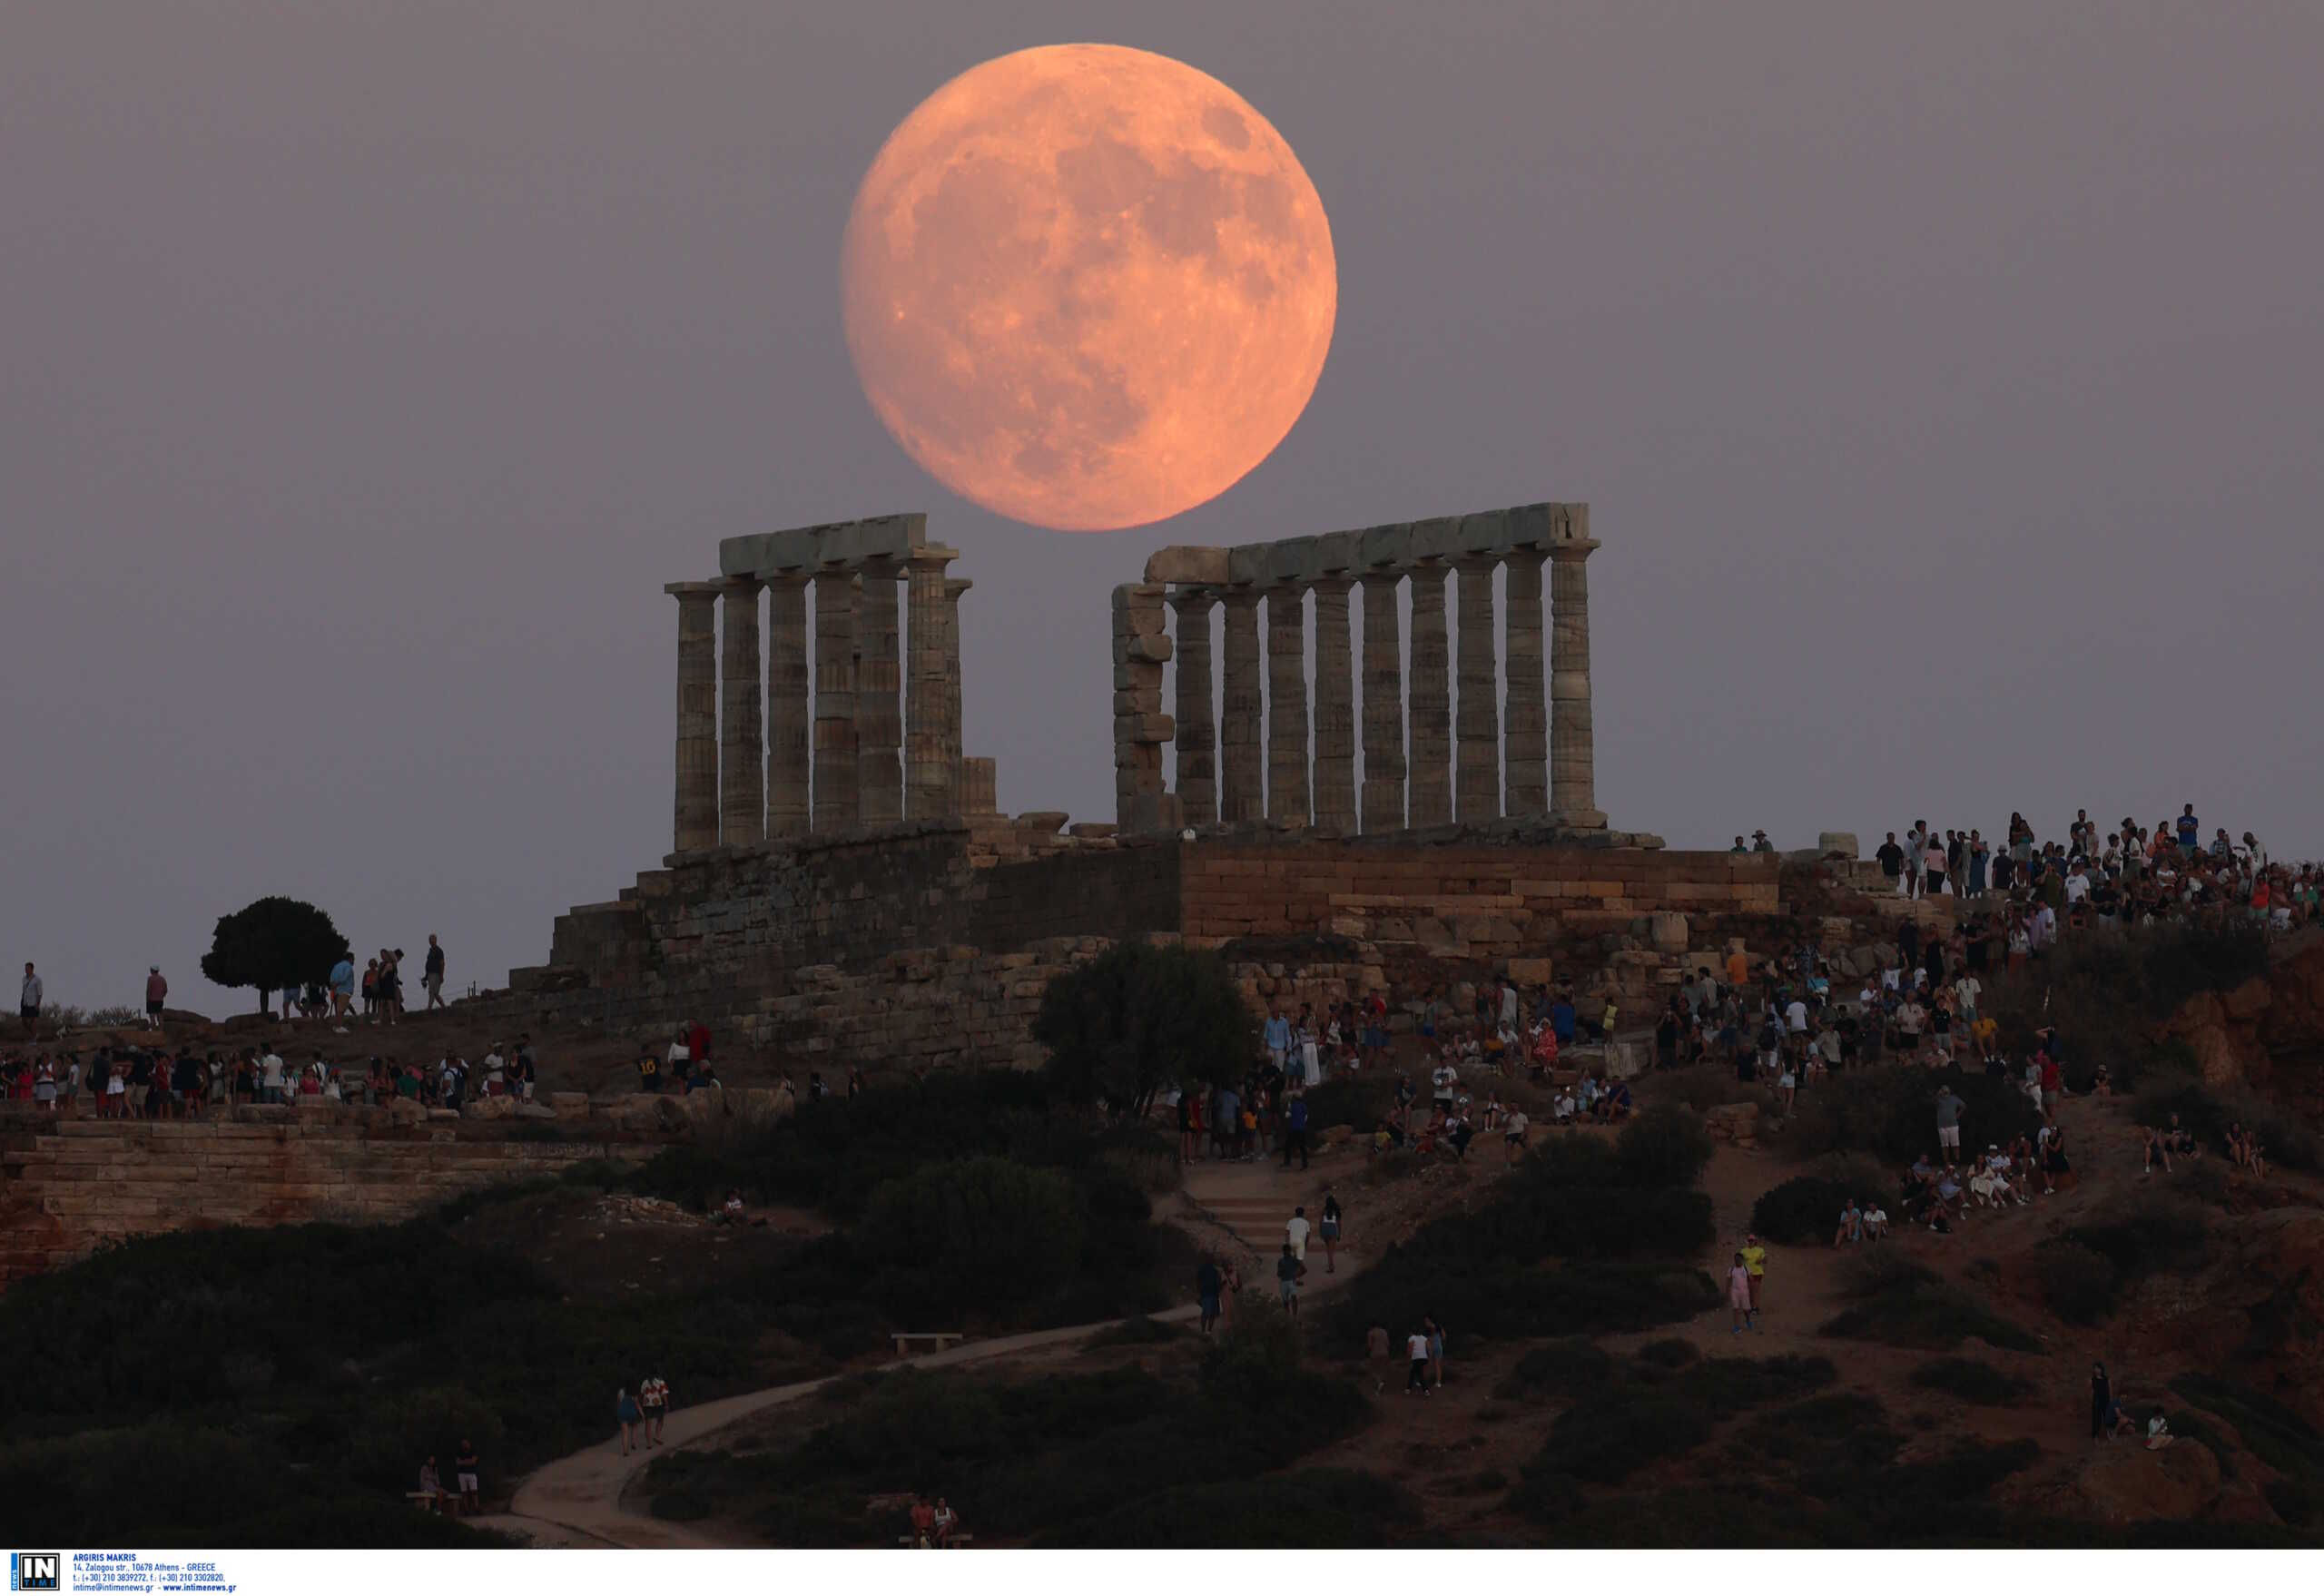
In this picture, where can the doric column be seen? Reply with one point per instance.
(1141, 645)
(932, 689)
(1383, 703)
(878, 719)
(787, 709)
(1476, 771)
(1573, 791)
(1242, 796)
(697, 818)
(742, 769)
(1287, 706)
(1431, 701)
(948, 715)
(1197, 731)
(1334, 707)
(834, 752)
(1525, 727)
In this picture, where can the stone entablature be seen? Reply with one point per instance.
(1531, 757)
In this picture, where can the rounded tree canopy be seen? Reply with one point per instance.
(274, 944)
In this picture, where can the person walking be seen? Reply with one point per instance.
(2102, 1401)
(343, 992)
(1436, 1347)
(625, 1412)
(1287, 1271)
(1375, 1355)
(653, 1407)
(1416, 1349)
(1329, 1231)
(432, 973)
(1208, 1283)
(1296, 1231)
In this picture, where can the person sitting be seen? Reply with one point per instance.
(1565, 1107)
(2157, 1152)
(1851, 1230)
(1947, 1206)
(731, 1212)
(946, 1524)
(2103, 1084)
(2179, 1140)
(431, 1485)
(2158, 1433)
(1875, 1221)
(923, 1523)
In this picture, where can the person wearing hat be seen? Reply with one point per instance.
(157, 991)
(1759, 843)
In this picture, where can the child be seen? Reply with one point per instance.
(1738, 1296)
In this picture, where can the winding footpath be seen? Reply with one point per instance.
(577, 1501)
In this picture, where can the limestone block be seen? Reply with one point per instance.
(1843, 844)
(405, 1111)
(488, 1107)
(1529, 972)
(576, 1104)
(1669, 932)
(535, 1111)
(1190, 566)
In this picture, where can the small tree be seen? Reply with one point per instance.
(275, 944)
(1138, 1017)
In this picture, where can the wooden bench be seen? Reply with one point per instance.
(444, 1502)
(937, 1340)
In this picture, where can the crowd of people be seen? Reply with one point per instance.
(188, 1082)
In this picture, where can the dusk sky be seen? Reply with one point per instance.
(1943, 382)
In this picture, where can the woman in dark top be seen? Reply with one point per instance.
(2102, 1399)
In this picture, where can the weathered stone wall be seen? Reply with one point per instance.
(70, 1184)
(932, 944)
(1473, 901)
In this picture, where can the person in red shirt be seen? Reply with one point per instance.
(923, 1522)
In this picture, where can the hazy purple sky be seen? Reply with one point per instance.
(1943, 380)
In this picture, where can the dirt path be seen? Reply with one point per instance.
(577, 1501)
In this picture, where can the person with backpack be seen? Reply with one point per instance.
(1288, 1273)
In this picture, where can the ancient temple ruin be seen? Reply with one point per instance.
(822, 747)
(1529, 756)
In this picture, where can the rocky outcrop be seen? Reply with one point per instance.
(2238, 1036)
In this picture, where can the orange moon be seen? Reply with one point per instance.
(1087, 287)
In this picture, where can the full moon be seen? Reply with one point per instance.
(1087, 287)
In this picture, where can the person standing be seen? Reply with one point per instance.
(1755, 1264)
(29, 999)
(1948, 1125)
(1739, 1296)
(432, 973)
(1294, 1234)
(342, 991)
(1329, 1231)
(1436, 1347)
(2102, 1401)
(1375, 1354)
(1295, 1128)
(1208, 1283)
(157, 992)
(464, 1473)
(1416, 1349)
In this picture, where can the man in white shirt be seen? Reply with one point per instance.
(1795, 1016)
(1965, 993)
(269, 1078)
(2077, 884)
(1416, 1349)
(1444, 1081)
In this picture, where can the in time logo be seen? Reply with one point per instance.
(34, 1571)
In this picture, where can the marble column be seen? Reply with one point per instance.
(1431, 701)
(879, 717)
(1197, 731)
(1383, 703)
(950, 753)
(1525, 725)
(834, 752)
(1242, 790)
(1334, 707)
(932, 688)
(1573, 780)
(1287, 801)
(1476, 769)
(741, 767)
(697, 818)
(787, 704)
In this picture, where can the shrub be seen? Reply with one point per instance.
(1666, 1148)
(990, 1232)
(1606, 1438)
(1805, 1209)
(1669, 1354)
(1318, 1508)
(1494, 1300)
(2271, 1431)
(1971, 1380)
(1899, 1303)
(2154, 1231)
(1891, 1114)
(2077, 1283)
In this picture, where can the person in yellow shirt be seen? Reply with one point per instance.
(1755, 1262)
